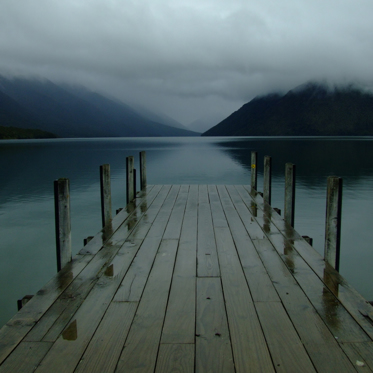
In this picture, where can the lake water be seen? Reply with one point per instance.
(29, 167)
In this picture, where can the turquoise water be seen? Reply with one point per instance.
(29, 167)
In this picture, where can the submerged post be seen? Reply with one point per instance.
(105, 194)
(333, 221)
(129, 179)
(267, 179)
(142, 170)
(254, 170)
(289, 193)
(62, 222)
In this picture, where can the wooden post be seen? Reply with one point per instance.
(105, 194)
(62, 222)
(333, 221)
(289, 193)
(129, 167)
(142, 170)
(134, 181)
(267, 179)
(254, 170)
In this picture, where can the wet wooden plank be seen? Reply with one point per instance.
(360, 354)
(27, 356)
(17, 327)
(181, 303)
(213, 347)
(59, 315)
(104, 349)
(348, 296)
(134, 282)
(335, 316)
(76, 336)
(319, 342)
(176, 218)
(260, 284)
(287, 351)
(141, 348)
(174, 358)
(249, 346)
(207, 260)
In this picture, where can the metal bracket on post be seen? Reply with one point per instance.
(254, 170)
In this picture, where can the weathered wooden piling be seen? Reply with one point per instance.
(254, 170)
(267, 179)
(142, 170)
(333, 221)
(62, 221)
(129, 179)
(289, 207)
(105, 194)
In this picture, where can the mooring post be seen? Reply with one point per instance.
(267, 179)
(142, 170)
(105, 194)
(254, 170)
(129, 178)
(134, 181)
(333, 221)
(62, 222)
(289, 193)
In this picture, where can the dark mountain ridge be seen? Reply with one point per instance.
(310, 110)
(73, 112)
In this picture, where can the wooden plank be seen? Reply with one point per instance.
(145, 199)
(59, 315)
(335, 316)
(320, 343)
(134, 282)
(141, 348)
(356, 305)
(174, 358)
(176, 218)
(75, 338)
(260, 284)
(249, 346)
(287, 351)
(213, 347)
(103, 351)
(181, 303)
(207, 259)
(26, 358)
(16, 328)
(360, 354)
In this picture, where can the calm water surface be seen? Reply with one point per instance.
(28, 168)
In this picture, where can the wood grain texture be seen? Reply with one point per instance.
(213, 346)
(207, 259)
(141, 347)
(175, 358)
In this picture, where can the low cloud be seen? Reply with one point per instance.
(188, 58)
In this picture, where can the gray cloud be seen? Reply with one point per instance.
(188, 58)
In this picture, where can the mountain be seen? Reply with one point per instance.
(73, 112)
(312, 109)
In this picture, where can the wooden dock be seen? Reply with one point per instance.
(193, 279)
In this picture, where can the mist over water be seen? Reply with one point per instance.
(27, 250)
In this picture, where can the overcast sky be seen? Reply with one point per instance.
(188, 58)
